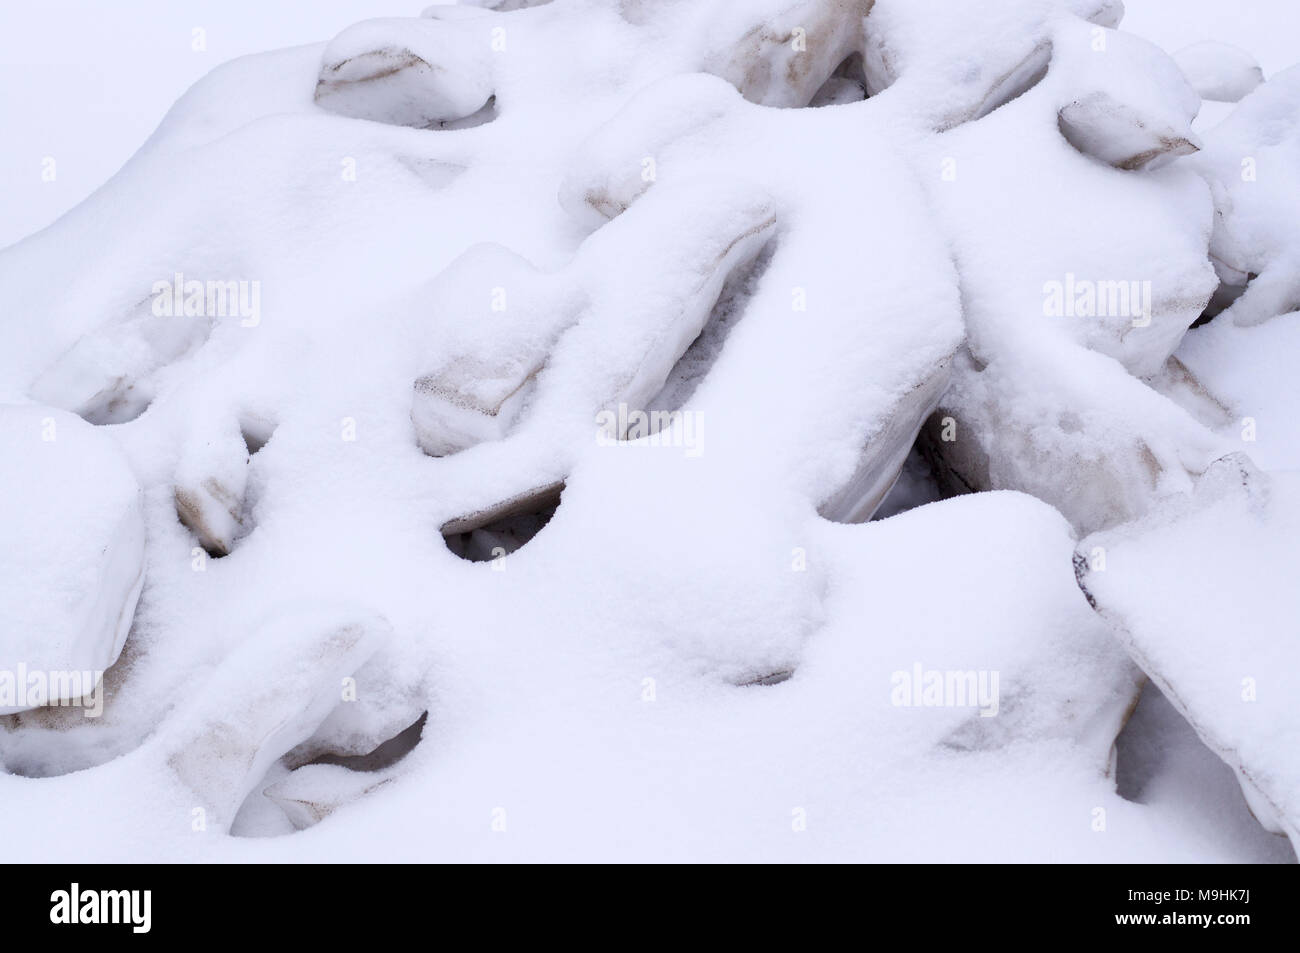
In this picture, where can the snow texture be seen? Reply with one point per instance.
(467, 432)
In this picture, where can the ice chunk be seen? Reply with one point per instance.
(1203, 595)
(264, 700)
(686, 605)
(410, 73)
(210, 484)
(785, 50)
(107, 376)
(387, 696)
(1131, 106)
(1250, 374)
(1252, 162)
(71, 553)
(495, 319)
(637, 294)
(960, 61)
(879, 468)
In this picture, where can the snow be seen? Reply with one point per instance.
(1203, 595)
(1049, 400)
(1247, 373)
(434, 78)
(107, 72)
(488, 410)
(1164, 765)
(1264, 28)
(72, 551)
(1252, 162)
(1219, 71)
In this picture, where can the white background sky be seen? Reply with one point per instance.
(86, 81)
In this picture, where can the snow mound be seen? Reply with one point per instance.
(509, 389)
(72, 553)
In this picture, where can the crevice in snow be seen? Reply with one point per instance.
(480, 118)
(695, 364)
(505, 528)
(292, 797)
(1232, 285)
(848, 84)
(768, 679)
(256, 431)
(886, 452)
(385, 755)
(916, 485)
(942, 456)
(1161, 763)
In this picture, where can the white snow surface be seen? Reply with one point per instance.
(1219, 71)
(72, 547)
(439, 265)
(1203, 593)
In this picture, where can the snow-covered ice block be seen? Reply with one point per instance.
(1067, 315)
(210, 484)
(422, 73)
(1252, 162)
(71, 551)
(107, 376)
(264, 700)
(495, 319)
(781, 52)
(621, 161)
(690, 126)
(636, 295)
(881, 258)
(959, 61)
(386, 696)
(887, 451)
(1219, 71)
(1131, 107)
(1203, 594)
(1249, 374)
